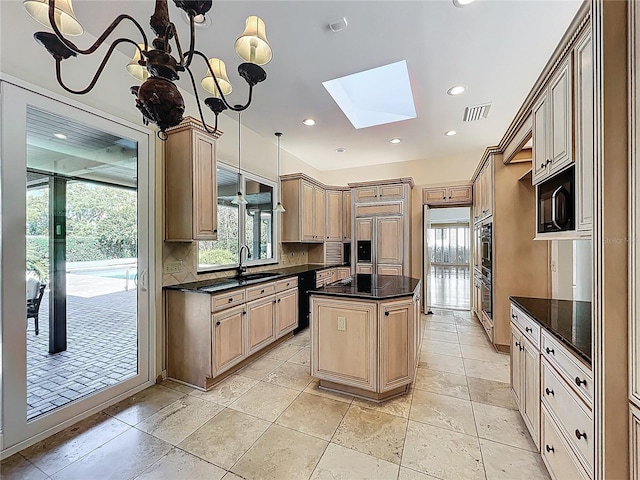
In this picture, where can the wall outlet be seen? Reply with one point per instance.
(173, 267)
(342, 324)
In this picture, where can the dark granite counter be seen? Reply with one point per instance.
(370, 287)
(567, 320)
(221, 284)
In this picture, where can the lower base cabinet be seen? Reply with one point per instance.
(396, 330)
(634, 440)
(228, 339)
(260, 323)
(556, 452)
(286, 312)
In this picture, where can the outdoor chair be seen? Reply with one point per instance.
(34, 297)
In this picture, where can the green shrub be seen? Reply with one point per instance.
(217, 256)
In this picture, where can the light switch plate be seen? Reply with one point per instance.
(173, 267)
(342, 323)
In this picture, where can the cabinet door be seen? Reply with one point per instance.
(286, 312)
(516, 369)
(319, 214)
(461, 194)
(366, 194)
(477, 206)
(364, 268)
(530, 396)
(561, 118)
(487, 188)
(342, 272)
(434, 195)
(364, 228)
(390, 240)
(541, 164)
(307, 210)
(584, 133)
(396, 344)
(346, 209)
(260, 323)
(205, 223)
(228, 340)
(391, 192)
(634, 441)
(334, 216)
(389, 270)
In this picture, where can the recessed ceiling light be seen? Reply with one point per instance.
(341, 150)
(309, 122)
(450, 133)
(456, 90)
(395, 140)
(462, 3)
(61, 136)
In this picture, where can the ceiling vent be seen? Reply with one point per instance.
(478, 112)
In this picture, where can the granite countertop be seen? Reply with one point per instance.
(221, 284)
(569, 321)
(374, 287)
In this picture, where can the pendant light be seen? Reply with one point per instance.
(239, 198)
(279, 208)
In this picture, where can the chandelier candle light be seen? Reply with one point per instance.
(158, 98)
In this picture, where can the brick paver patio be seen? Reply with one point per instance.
(102, 344)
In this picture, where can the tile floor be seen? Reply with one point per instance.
(270, 421)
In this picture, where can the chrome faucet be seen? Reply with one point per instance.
(242, 268)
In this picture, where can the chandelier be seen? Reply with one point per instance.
(158, 98)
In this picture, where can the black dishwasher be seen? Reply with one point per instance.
(306, 282)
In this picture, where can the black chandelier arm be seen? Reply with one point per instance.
(71, 46)
(195, 92)
(192, 40)
(94, 80)
(235, 108)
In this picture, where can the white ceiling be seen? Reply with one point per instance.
(496, 48)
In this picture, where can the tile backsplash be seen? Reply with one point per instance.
(290, 254)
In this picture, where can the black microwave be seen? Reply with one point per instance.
(556, 203)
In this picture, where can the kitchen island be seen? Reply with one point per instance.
(365, 335)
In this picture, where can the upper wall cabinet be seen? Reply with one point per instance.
(376, 193)
(453, 195)
(334, 215)
(346, 215)
(483, 192)
(191, 204)
(304, 220)
(553, 125)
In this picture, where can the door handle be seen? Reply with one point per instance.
(143, 281)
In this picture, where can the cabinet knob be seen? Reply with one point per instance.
(580, 435)
(527, 329)
(279, 300)
(386, 314)
(580, 382)
(262, 291)
(244, 313)
(548, 392)
(548, 161)
(549, 449)
(515, 317)
(517, 344)
(217, 323)
(550, 351)
(215, 231)
(274, 302)
(521, 348)
(543, 165)
(230, 300)
(288, 284)
(327, 237)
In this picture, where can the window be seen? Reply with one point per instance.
(252, 222)
(449, 245)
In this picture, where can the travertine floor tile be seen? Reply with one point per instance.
(492, 393)
(487, 354)
(180, 465)
(265, 401)
(398, 406)
(441, 319)
(283, 352)
(260, 368)
(225, 438)
(232, 476)
(314, 415)
(440, 327)
(437, 336)
(442, 411)
(443, 383)
(281, 453)
(180, 387)
(314, 389)
(498, 372)
(177, 421)
(229, 390)
(478, 340)
(16, 467)
(442, 363)
(303, 357)
(503, 462)
(442, 453)
(374, 433)
(143, 404)
(502, 425)
(339, 463)
(124, 457)
(441, 348)
(408, 474)
(290, 375)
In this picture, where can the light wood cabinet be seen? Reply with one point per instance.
(369, 193)
(318, 212)
(286, 312)
(364, 268)
(342, 272)
(389, 269)
(396, 343)
(634, 440)
(334, 216)
(556, 452)
(458, 195)
(553, 125)
(346, 217)
(516, 369)
(191, 201)
(390, 241)
(304, 219)
(366, 194)
(483, 192)
(228, 339)
(260, 323)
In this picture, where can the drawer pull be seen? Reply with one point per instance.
(217, 324)
(279, 300)
(244, 313)
(580, 435)
(549, 392)
(528, 330)
(517, 344)
(230, 299)
(386, 314)
(580, 382)
(550, 350)
(521, 348)
(262, 291)
(514, 316)
(550, 449)
(288, 284)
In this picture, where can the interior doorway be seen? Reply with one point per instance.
(448, 254)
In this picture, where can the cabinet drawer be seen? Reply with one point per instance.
(286, 284)
(227, 299)
(573, 415)
(575, 373)
(387, 192)
(324, 274)
(529, 327)
(261, 291)
(390, 208)
(560, 460)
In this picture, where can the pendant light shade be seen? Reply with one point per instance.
(239, 198)
(64, 17)
(252, 46)
(135, 69)
(220, 72)
(279, 208)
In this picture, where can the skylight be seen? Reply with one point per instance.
(374, 97)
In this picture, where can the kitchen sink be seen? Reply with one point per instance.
(256, 276)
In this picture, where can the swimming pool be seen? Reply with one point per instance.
(118, 272)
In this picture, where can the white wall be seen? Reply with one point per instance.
(571, 273)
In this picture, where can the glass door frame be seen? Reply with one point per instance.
(17, 432)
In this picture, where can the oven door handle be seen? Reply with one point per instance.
(554, 206)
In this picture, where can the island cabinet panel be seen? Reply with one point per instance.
(396, 343)
(260, 323)
(229, 345)
(286, 312)
(345, 342)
